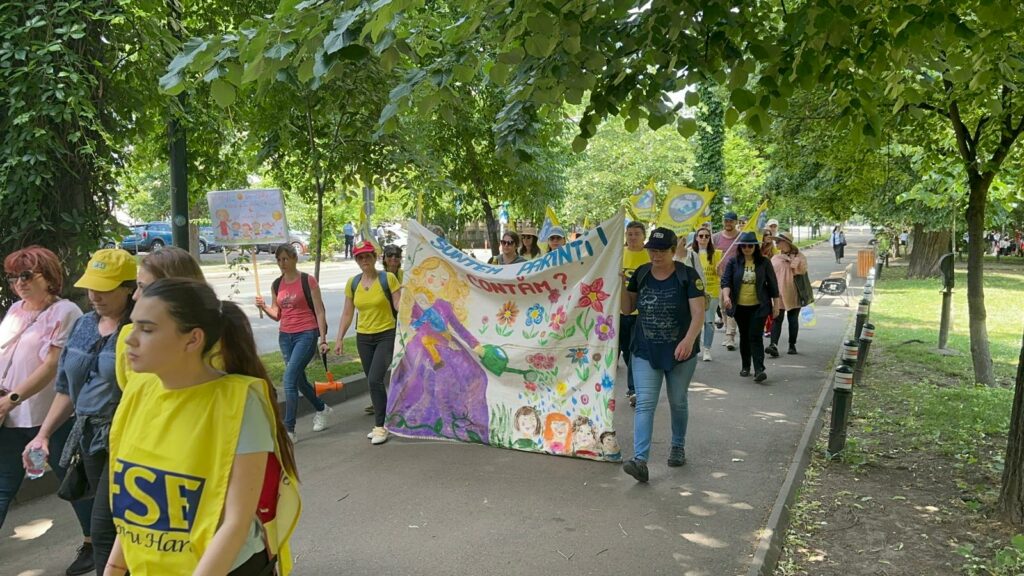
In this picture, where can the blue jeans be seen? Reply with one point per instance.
(12, 472)
(298, 349)
(648, 389)
(709, 323)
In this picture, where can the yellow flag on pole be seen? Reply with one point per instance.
(550, 221)
(683, 210)
(758, 219)
(641, 203)
(366, 231)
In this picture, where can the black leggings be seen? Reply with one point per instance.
(375, 352)
(793, 317)
(257, 565)
(102, 524)
(750, 326)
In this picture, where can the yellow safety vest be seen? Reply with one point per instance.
(171, 454)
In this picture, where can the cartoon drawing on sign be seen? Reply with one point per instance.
(222, 222)
(610, 445)
(527, 427)
(584, 440)
(440, 388)
(557, 433)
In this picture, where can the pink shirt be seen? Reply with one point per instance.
(26, 337)
(296, 315)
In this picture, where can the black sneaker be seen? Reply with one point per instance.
(83, 561)
(760, 377)
(744, 373)
(637, 469)
(677, 456)
(772, 351)
(792, 349)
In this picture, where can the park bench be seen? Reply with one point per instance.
(837, 285)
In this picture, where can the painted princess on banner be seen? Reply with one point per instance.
(520, 356)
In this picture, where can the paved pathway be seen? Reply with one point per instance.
(414, 507)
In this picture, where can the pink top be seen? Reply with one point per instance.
(785, 267)
(26, 337)
(296, 315)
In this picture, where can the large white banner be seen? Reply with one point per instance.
(520, 356)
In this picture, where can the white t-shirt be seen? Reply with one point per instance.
(26, 337)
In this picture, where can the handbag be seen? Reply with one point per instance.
(75, 485)
(804, 292)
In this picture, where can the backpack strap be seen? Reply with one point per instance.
(383, 278)
(275, 285)
(307, 291)
(352, 286)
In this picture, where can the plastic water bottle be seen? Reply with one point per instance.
(37, 459)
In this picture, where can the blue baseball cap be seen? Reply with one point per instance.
(730, 215)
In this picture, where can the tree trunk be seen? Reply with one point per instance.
(928, 249)
(319, 228)
(1011, 496)
(492, 223)
(980, 355)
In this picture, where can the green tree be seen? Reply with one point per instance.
(711, 165)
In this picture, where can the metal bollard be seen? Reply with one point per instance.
(863, 309)
(842, 397)
(849, 355)
(862, 353)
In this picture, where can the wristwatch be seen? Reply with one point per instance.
(15, 398)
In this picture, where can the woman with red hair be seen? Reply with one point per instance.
(32, 336)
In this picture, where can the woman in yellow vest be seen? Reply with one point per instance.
(203, 478)
(709, 260)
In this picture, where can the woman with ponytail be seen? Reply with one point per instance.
(203, 476)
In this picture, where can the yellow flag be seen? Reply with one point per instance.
(641, 203)
(550, 221)
(683, 210)
(365, 231)
(757, 220)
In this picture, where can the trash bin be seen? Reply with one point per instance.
(865, 262)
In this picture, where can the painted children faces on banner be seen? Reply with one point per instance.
(519, 356)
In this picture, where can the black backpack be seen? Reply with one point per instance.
(305, 289)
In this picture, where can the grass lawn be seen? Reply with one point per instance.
(345, 365)
(910, 309)
(915, 490)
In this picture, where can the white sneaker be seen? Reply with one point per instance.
(292, 437)
(320, 418)
(380, 435)
(370, 435)
(706, 356)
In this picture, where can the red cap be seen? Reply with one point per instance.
(364, 247)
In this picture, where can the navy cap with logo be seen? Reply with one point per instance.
(730, 216)
(661, 239)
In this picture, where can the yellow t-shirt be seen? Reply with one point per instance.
(712, 282)
(748, 292)
(631, 261)
(374, 310)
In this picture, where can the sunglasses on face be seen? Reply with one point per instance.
(393, 255)
(703, 235)
(24, 276)
(507, 243)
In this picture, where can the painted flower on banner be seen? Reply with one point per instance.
(532, 387)
(592, 295)
(541, 361)
(611, 405)
(606, 381)
(597, 387)
(561, 388)
(578, 356)
(604, 329)
(585, 399)
(558, 318)
(553, 295)
(507, 313)
(534, 315)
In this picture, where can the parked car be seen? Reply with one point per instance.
(298, 239)
(208, 240)
(147, 237)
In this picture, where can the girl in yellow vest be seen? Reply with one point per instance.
(203, 478)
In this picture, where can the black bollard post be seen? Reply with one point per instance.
(849, 355)
(842, 397)
(862, 357)
(862, 316)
